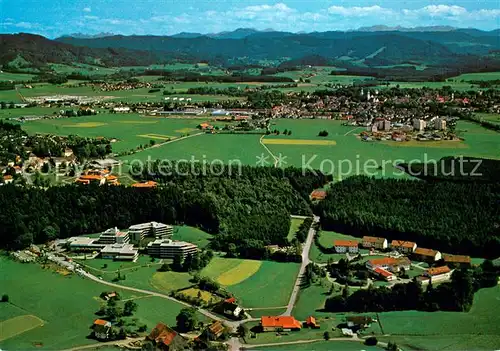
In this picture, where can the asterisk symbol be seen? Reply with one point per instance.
(281, 160)
(262, 160)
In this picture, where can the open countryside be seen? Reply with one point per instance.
(210, 187)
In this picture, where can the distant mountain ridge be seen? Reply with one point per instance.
(359, 51)
(371, 46)
(240, 33)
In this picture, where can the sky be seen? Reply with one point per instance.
(53, 18)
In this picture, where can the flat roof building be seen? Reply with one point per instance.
(166, 248)
(83, 243)
(125, 252)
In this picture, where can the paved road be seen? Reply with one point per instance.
(305, 261)
(163, 296)
(108, 343)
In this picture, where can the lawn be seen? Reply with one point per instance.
(294, 227)
(192, 235)
(326, 239)
(268, 286)
(477, 329)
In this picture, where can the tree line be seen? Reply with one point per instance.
(455, 295)
(249, 210)
(447, 216)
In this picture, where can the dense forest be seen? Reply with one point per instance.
(249, 210)
(253, 204)
(457, 169)
(448, 216)
(456, 295)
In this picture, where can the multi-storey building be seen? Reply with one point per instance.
(166, 248)
(138, 232)
(113, 236)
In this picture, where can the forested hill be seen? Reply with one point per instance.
(368, 48)
(28, 50)
(447, 216)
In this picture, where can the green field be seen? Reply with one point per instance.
(40, 291)
(6, 76)
(475, 330)
(294, 227)
(477, 76)
(351, 156)
(238, 149)
(324, 346)
(131, 130)
(270, 286)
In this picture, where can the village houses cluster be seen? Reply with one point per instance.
(385, 268)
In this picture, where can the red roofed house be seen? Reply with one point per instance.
(318, 195)
(403, 246)
(165, 338)
(281, 323)
(7, 179)
(376, 243)
(148, 184)
(386, 275)
(436, 274)
(101, 329)
(389, 264)
(426, 255)
(343, 246)
(311, 322)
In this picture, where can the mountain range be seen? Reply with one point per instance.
(367, 47)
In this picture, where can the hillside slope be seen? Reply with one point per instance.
(28, 50)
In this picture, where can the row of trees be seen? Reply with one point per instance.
(456, 295)
(447, 216)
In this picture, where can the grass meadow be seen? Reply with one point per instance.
(332, 345)
(294, 227)
(65, 304)
(268, 286)
(474, 330)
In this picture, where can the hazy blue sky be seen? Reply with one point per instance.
(55, 17)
